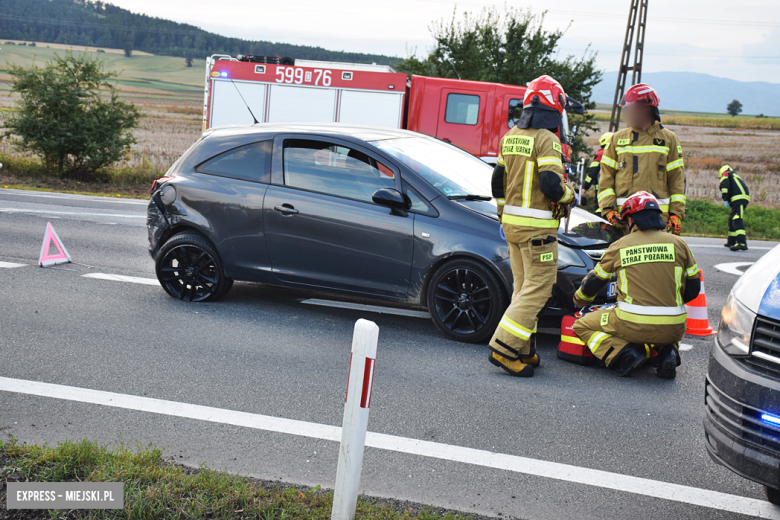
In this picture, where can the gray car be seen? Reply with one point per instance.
(367, 211)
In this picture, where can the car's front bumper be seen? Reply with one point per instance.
(735, 434)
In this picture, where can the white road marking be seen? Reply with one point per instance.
(369, 308)
(732, 267)
(79, 214)
(122, 278)
(488, 459)
(725, 249)
(70, 196)
(11, 265)
(685, 346)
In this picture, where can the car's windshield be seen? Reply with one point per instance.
(449, 169)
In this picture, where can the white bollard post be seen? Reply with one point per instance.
(353, 430)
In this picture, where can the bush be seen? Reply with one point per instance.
(70, 116)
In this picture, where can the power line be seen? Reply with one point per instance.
(687, 21)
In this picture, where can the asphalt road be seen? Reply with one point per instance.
(261, 351)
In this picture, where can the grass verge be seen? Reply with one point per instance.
(745, 122)
(155, 489)
(20, 172)
(703, 218)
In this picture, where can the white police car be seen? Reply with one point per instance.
(742, 421)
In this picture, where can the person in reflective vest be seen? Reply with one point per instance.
(592, 177)
(643, 157)
(531, 197)
(736, 196)
(656, 276)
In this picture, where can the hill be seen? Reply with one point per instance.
(144, 71)
(694, 92)
(101, 24)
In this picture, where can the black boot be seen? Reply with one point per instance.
(627, 360)
(669, 360)
(739, 247)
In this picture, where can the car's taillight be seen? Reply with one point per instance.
(157, 183)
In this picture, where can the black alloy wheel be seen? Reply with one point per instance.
(189, 269)
(466, 300)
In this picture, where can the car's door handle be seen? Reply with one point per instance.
(286, 209)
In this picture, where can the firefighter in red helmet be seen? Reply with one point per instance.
(645, 156)
(656, 276)
(531, 196)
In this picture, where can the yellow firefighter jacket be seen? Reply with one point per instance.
(652, 269)
(643, 161)
(532, 179)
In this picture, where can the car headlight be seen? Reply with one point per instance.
(736, 325)
(568, 257)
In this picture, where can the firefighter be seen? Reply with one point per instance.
(656, 276)
(532, 196)
(736, 196)
(592, 177)
(645, 156)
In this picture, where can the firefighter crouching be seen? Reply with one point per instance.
(592, 177)
(736, 196)
(656, 276)
(643, 157)
(531, 195)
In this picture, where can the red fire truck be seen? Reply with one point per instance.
(472, 115)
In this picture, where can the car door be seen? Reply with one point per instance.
(321, 226)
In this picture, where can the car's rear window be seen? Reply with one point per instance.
(251, 162)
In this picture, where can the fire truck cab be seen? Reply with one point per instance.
(472, 115)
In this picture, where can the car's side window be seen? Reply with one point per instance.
(251, 162)
(418, 203)
(333, 169)
(462, 109)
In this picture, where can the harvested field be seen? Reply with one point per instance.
(754, 153)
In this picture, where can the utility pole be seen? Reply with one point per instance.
(638, 10)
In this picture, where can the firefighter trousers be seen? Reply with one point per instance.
(606, 334)
(534, 269)
(737, 235)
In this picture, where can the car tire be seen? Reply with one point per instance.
(772, 495)
(466, 300)
(189, 268)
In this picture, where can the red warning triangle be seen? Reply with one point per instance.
(61, 257)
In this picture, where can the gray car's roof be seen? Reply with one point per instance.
(364, 132)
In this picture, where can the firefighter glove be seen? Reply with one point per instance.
(501, 232)
(674, 224)
(727, 203)
(613, 217)
(559, 210)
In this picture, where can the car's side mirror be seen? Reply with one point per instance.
(390, 198)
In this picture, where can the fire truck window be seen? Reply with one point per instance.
(334, 170)
(513, 114)
(462, 109)
(251, 162)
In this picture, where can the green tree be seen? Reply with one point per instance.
(188, 58)
(69, 114)
(128, 48)
(512, 47)
(734, 108)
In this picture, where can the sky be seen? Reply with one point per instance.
(738, 40)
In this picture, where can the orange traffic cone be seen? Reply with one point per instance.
(698, 323)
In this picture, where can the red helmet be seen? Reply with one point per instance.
(637, 202)
(545, 92)
(640, 93)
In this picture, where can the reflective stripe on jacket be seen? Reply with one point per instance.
(643, 161)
